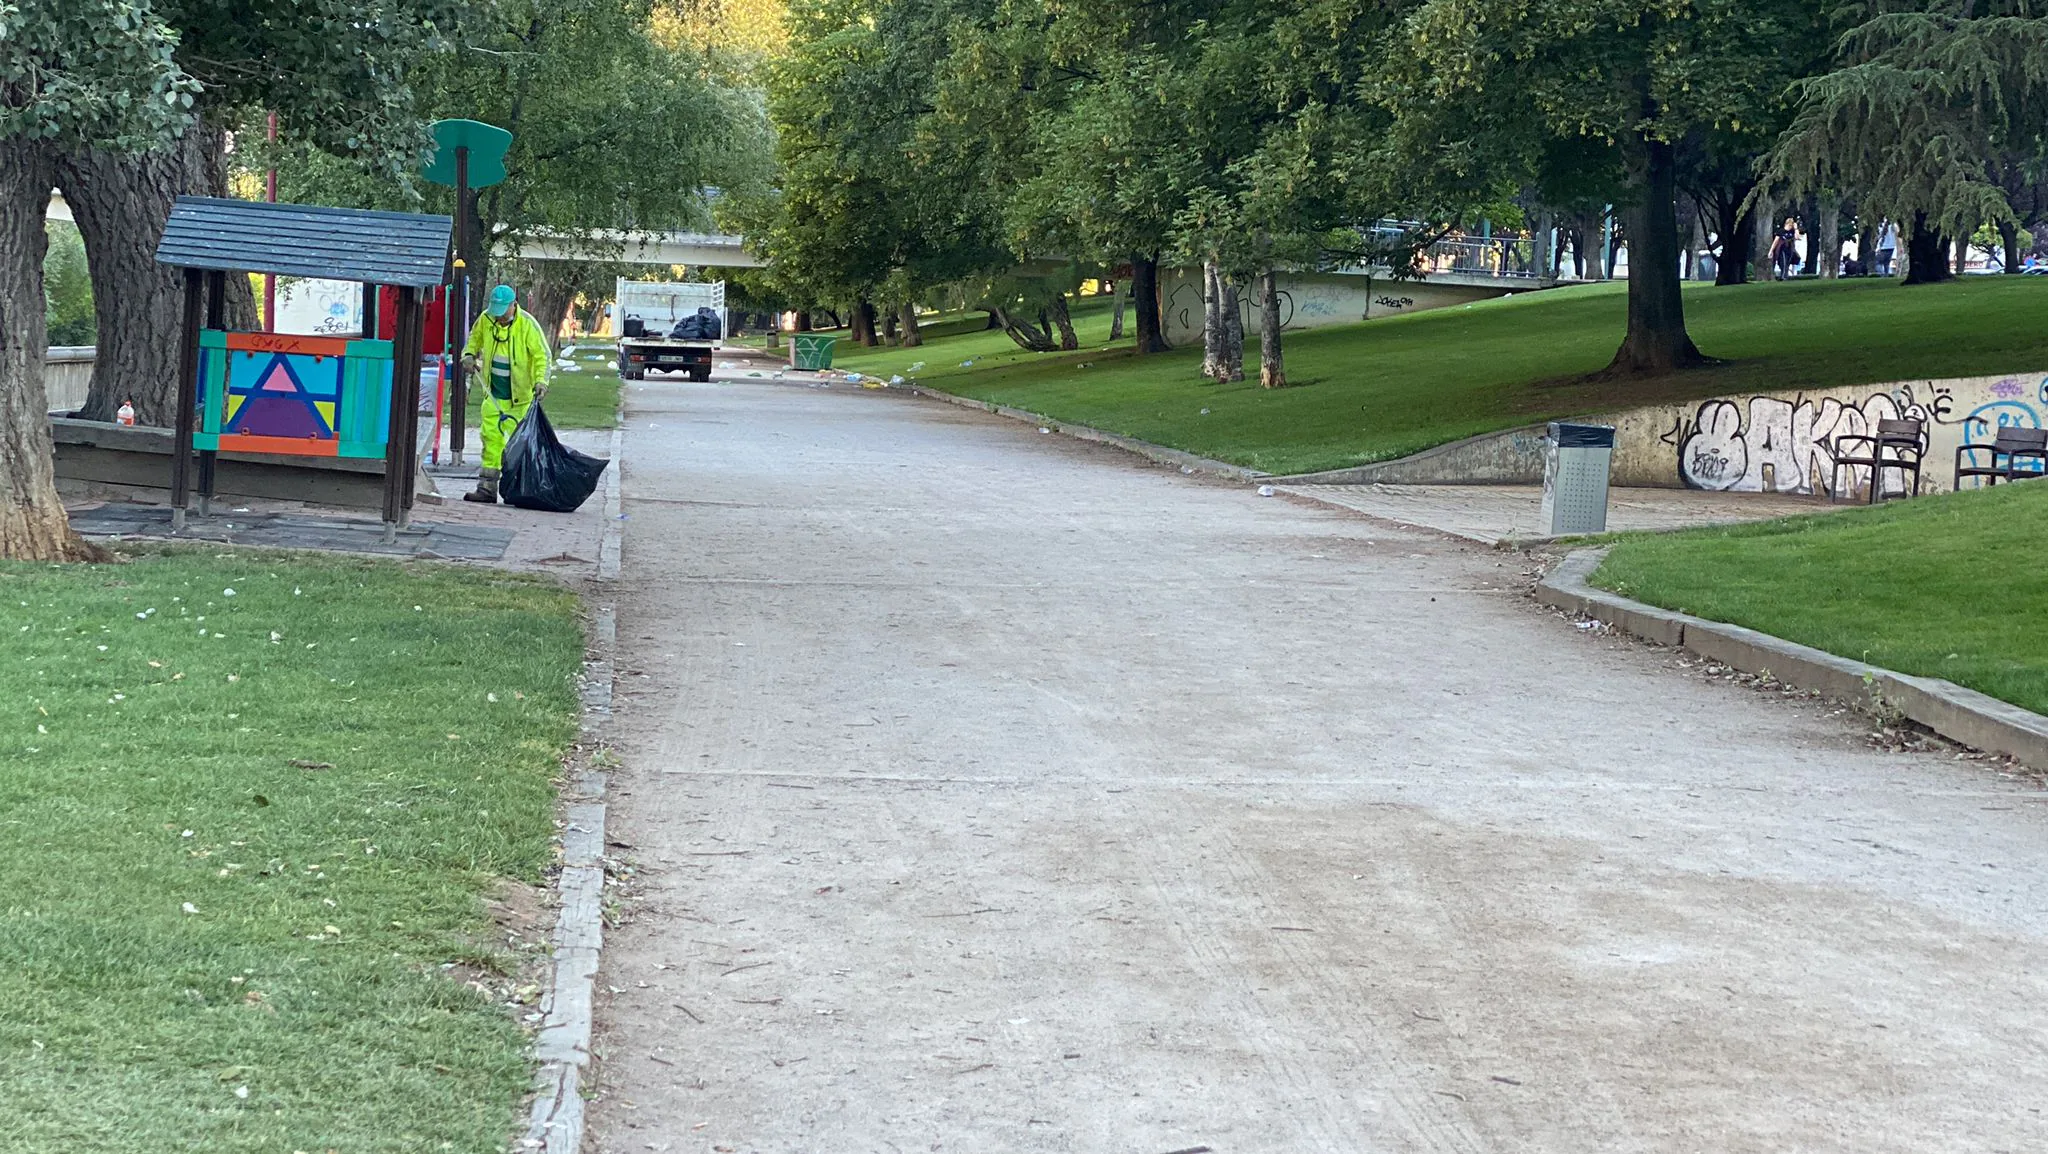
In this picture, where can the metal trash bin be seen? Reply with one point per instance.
(811, 351)
(1575, 478)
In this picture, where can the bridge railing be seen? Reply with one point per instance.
(1507, 255)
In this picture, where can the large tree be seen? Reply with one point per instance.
(1493, 80)
(1929, 102)
(338, 74)
(83, 74)
(614, 126)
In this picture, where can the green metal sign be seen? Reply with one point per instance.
(487, 144)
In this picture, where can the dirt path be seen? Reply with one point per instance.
(996, 794)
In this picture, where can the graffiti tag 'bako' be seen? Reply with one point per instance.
(1783, 445)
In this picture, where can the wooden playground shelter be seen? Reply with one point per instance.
(300, 396)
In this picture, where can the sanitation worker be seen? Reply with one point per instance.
(508, 357)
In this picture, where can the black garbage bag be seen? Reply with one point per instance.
(542, 473)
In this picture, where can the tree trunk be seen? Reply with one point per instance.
(1272, 370)
(1657, 341)
(913, 336)
(1866, 250)
(121, 202)
(1963, 252)
(890, 320)
(1233, 329)
(1063, 320)
(2009, 236)
(1926, 253)
(1145, 297)
(555, 285)
(1539, 248)
(1212, 324)
(1116, 317)
(1738, 231)
(864, 324)
(33, 526)
(803, 321)
(1045, 326)
(1029, 339)
(1827, 238)
(995, 319)
(1811, 267)
(1764, 225)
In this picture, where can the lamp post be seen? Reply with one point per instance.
(468, 155)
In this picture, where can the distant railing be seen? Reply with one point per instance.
(67, 375)
(1508, 255)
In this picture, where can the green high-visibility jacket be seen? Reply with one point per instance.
(522, 342)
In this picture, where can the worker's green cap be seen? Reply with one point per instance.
(502, 300)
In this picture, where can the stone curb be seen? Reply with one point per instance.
(555, 1121)
(1961, 715)
(1160, 454)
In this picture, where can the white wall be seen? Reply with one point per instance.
(1312, 300)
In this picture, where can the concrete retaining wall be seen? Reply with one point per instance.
(1313, 299)
(67, 374)
(1775, 442)
(102, 461)
(1748, 443)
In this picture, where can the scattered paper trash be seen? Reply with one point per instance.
(1043, 429)
(1205, 412)
(1265, 490)
(897, 379)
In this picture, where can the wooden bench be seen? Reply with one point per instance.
(1905, 439)
(2013, 444)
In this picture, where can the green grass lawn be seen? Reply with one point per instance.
(1386, 388)
(205, 947)
(585, 397)
(1945, 586)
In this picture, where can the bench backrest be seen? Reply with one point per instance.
(2023, 440)
(1904, 429)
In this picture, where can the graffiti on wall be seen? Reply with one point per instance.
(1774, 445)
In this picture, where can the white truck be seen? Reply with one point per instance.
(671, 326)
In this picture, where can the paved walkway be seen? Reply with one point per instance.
(1493, 513)
(996, 794)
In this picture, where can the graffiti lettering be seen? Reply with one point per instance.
(1393, 302)
(1785, 446)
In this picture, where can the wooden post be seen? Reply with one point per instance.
(216, 312)
(407, 343)
(394, 440)
(188, 399)
(456, 310)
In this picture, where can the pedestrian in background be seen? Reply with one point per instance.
(1785, 249)
(1887, 247)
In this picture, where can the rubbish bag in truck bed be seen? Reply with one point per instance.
(542, 473)
(701, 326)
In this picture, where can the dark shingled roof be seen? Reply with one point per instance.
(394, 248)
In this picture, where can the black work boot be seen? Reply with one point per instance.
(486, 491)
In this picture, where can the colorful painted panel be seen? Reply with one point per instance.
(295, 395)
